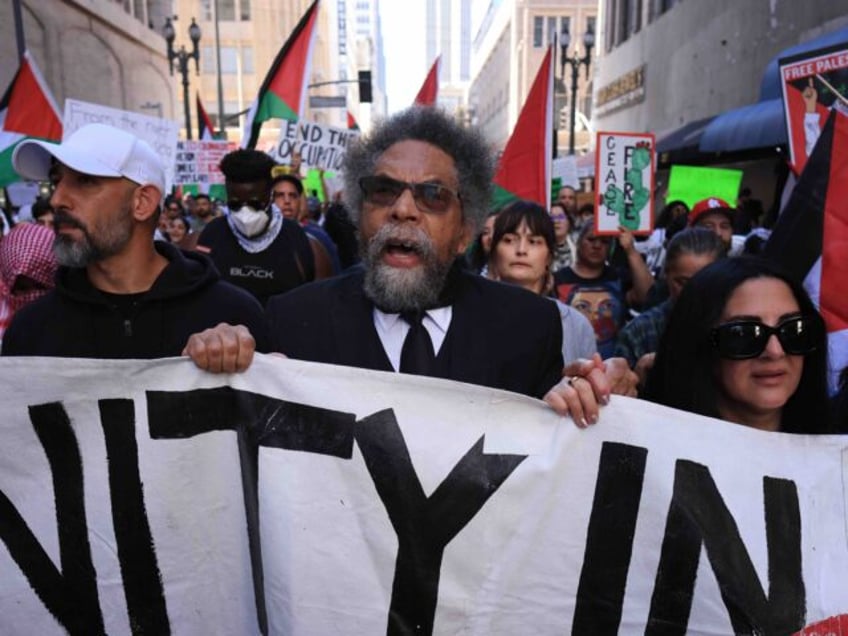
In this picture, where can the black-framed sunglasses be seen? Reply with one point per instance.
(430, 198)
(236, 204)
(743, 339)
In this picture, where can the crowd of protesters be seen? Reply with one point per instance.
(686, 314)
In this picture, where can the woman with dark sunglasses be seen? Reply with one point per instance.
(744, 343)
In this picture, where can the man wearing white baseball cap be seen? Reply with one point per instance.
(118, 294)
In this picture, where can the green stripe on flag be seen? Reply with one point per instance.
(272, 107)
(7, 173)
(501, 196)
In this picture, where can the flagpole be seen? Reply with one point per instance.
(221, 117)
(19, 28)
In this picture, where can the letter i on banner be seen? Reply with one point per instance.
(625, 164)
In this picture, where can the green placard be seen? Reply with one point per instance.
(216, 190)
(312, 183)
(691, 184)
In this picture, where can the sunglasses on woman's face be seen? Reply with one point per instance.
(433, 198)
(743, 339)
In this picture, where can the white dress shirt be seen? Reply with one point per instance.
(392, 330)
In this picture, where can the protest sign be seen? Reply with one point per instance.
(691, 184)
(297, 498)
(320, 146)
(161, 134)
(565, 169)
(624, 170)
(812, 82)
(197, 162)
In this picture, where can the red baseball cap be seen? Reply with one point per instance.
(709, 206)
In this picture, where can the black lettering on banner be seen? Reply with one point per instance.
(284, 149)
(70, 595)
(609, 541)
(143, 591)
(424, 525)
(697, 516)
(258, 420)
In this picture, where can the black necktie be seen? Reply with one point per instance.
(417, 356)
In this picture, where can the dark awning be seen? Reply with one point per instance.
(754, 126)
(687, 136)
(762, 124)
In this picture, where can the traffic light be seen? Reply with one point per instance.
(365, 87)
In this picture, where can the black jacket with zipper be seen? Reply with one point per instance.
(77, 320)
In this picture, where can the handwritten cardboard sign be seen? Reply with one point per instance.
(624, 172)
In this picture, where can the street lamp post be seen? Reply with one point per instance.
(575, 62)
(182, 56)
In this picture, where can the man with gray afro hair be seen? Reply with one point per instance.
(417, 186)
(470, 152)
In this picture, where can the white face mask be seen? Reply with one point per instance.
(250, 222)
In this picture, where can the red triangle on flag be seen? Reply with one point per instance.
(351, 122)
(30, 109)
(429, 91)
(524, 170)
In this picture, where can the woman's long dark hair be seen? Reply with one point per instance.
(682, 376)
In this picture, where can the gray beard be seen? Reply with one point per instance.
(73, 253)
(395, 289)
(89, 249)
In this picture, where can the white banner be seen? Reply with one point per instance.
(565, 169)
(149, 497)
(161, 134)
(320, 146)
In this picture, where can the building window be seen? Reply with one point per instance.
(207, 59)
(247, 59)
(206, 11)
(566, 26)
(657, 7)
(552, 29)
(609, 35)
(625, 25)
(229, 60)
(227, 10)
(538, 31)
(636, 17)
(244, 10)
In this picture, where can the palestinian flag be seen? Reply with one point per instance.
(524, 169)
(283, 93)
(351, 122)
(810, 237)
(27, 110)
(430, 88)
(205, 130)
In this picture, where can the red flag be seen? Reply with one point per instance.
(524, 170)
(26, 110)
(430, 88)
(810, 237)
(205, 130)
(283, 93)
(351, 122)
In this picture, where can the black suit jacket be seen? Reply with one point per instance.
(500, 336)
